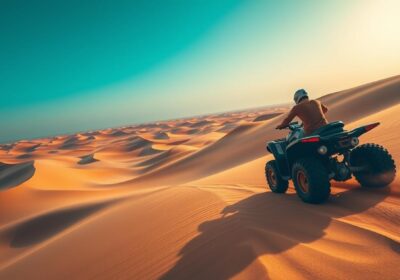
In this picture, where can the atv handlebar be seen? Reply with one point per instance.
(292, 126)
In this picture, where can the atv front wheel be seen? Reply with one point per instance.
(380, 169)
(274, 179)
(311, 180)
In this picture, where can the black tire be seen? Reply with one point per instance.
(381, 166)
(274, 179)
(311, 180)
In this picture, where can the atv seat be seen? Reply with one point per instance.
(330, 128)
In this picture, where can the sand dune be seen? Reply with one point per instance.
(137, 143)
(70, 142)
(161, 135)
(12, 175)
(247, 142)
(149, 150)
(7, 147)
(118, 133)
(266, 117)
(26, 147)
(165, 158)
(201, 123)
(187, 199)
(87, 159)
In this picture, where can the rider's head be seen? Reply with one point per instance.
(299, 95)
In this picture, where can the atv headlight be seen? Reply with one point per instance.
(322, 150)
(354, 141)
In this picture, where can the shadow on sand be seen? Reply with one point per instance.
(43, 227)
(12, 175)
(264, 223)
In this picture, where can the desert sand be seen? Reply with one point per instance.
(187, 199)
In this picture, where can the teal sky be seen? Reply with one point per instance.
(78, 65)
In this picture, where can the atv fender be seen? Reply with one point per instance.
(278, 149)
(297, 150)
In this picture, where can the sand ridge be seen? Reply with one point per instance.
(187, 199)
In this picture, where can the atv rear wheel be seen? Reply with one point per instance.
(311, 180)
(380, 166)
(274, 179)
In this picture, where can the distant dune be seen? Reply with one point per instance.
(187, 199)
(266, 117)
(87, 159)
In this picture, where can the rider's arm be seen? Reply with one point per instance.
(291, 115)
(324, 108)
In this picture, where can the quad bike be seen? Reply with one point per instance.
(329, 153)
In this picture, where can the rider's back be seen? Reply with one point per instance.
(311, 113)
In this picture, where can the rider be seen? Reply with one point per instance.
(311, 113)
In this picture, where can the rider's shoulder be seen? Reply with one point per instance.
(315, 101)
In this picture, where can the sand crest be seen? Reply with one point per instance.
(187, 199)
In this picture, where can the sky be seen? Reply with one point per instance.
(78, 65)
